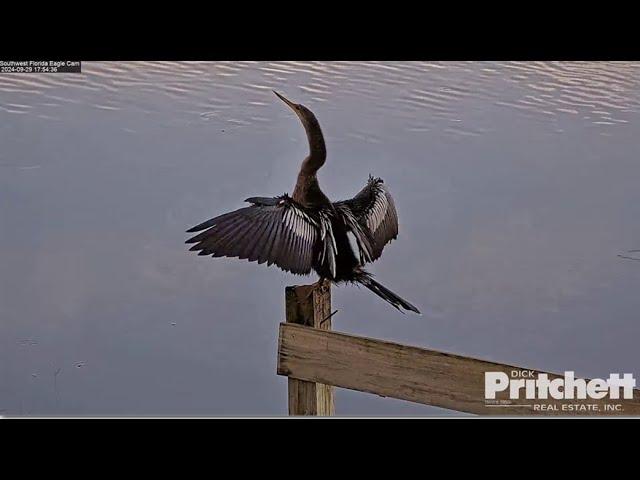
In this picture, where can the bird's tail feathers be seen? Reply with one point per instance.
(383, 292)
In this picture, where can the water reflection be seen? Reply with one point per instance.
(600, 94)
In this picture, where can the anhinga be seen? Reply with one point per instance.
(306, 231)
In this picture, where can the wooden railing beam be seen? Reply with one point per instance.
(416, 374)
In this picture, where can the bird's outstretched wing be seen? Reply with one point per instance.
(273, 230)
(375, 211)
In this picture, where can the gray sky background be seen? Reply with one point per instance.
(516, 186)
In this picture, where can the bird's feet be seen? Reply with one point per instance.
(315, 286)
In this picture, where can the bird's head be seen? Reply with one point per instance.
(305, 115)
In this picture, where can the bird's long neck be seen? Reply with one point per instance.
(307, 190)
(308, 193)
(317, 149)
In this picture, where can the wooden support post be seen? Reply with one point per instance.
(310, 305)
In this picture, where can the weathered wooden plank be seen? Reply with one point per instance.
(418, 375)
(310, 305)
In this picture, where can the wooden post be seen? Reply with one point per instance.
(310, 305)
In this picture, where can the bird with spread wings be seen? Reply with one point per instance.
(307, 232)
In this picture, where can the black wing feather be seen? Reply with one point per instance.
(273, 230)
(376, 213)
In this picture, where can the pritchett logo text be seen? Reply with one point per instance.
(524, 384)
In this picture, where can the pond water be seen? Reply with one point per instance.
(516, 186)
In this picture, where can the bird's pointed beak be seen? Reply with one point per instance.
(288, 102)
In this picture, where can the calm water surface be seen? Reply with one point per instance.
(516, 185)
